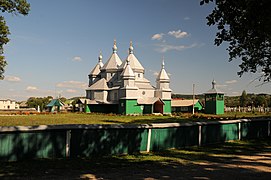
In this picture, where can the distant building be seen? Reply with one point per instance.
(185, 105)
(23, 105)
(8, 104)
(214, 100)
(55, 105)
(120, 87)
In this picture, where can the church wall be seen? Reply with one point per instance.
(139, 76)
(89, 94)
(129, 82)
(220, 107)
(103, 108)
(164, 86)
(145, 93)
(167, 106)
(214, 104)
(100, 95)
(113, 95)
(166, 95)
(132, 94)
(130, 106)
(158, 94)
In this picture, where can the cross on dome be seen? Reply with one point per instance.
(213, 84)
(115, 48)
(163, 62)
(131, 48)
(100, 57)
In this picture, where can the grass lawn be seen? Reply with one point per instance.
(83, 118)
(231, 160)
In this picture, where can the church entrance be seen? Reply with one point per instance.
(158, 107)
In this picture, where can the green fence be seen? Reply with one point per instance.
(42, 144)
(214, 133)
(255, 129)
(61, 141)
(107, 141)
(177, 137)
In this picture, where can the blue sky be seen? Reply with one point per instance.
(53, 49)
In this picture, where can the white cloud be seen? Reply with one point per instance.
(77, 59)
(12, 79)
(186, 18)
(31, 88)
(231, 81)
(221, 85)
(154, 73)
(71, 91)
(162, 48)
(72, 84)
(178, 34)
(235, 93)
(157, 36)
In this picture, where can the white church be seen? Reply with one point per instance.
(120, 87)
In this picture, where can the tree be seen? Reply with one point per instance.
(243, 99)
(34, 102)
(14, 7)
(246, 26)
(261, 101)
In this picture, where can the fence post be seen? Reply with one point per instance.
(239, 131)
(268, 133)
(199, 135)
(68, 142)
(149, 140)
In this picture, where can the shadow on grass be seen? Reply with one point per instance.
(226, 161)
(160, 120)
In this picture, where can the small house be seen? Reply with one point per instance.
(214, 100)
(185, 105)
(55, 105)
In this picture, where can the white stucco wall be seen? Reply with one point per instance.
(8, 104)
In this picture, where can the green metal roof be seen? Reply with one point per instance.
(55, 102)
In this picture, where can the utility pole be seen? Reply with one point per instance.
(193, 111)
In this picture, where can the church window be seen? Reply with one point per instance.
(138, 75)
(220, 97)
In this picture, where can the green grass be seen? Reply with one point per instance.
(83, 118)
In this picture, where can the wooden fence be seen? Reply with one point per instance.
(64, 141)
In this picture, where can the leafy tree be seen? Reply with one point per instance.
(14, 7)
(34, 102)
(232, 101)
(246, 26)
(243, 99)
(260, 100)
(62, 99)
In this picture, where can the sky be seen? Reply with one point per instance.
(53, 49)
